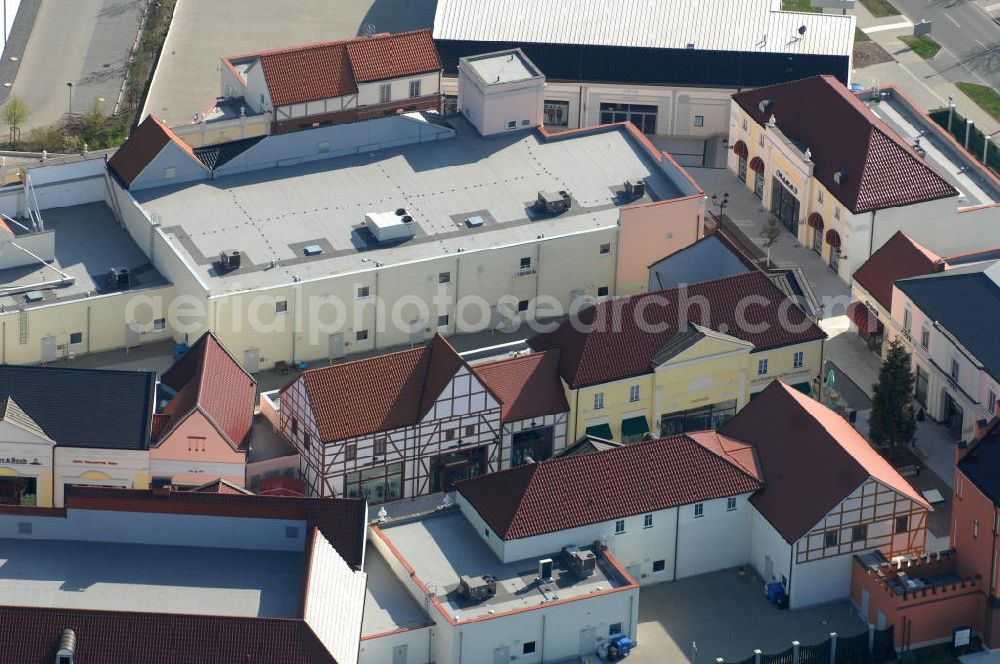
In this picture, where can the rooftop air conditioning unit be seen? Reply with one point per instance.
(635, 189)
(118, 278)
(230, 260)
(545, 569)
(477, 588)
(387, 226)
(553, 202)
(581, 562)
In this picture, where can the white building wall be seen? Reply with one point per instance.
(383, 649)
(719, 539)
(368, 93)
(770, 554)
(820, 581)
(67, 184)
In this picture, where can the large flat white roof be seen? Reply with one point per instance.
(719, 25)
(273, 214)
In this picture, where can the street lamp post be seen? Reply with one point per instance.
(951, 112)
(968, 132)
(70, 86)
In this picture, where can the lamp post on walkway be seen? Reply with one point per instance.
(986, 144)
(951, 112)
(70, 86)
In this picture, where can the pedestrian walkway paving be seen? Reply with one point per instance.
(914, 76)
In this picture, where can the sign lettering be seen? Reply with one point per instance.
(785, 180)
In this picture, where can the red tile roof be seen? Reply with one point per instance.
(31, 636)
(572, 491)
(812, 459)
(527, 386)
(142, 146)
(899, 258)
(379, 393)
(209, 379)
(821, 114)
(609, 340)
(341, 520)
(222, 486)
(333, 69)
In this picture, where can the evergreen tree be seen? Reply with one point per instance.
(892, 423)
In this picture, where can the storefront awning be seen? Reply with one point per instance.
(741, 150)
(635, 426)
(816, 221)
(757, 164)
(863, 317)
(833, 238)
(600, 431)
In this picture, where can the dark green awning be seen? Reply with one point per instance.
(635, 426)
(804, 388)
(600, 431)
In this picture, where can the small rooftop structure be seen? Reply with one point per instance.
(501, 91)
(443, 547)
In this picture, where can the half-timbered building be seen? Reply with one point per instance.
(534, 411)
(828, 496)
(392, 426)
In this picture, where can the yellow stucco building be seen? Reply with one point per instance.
(651, 363)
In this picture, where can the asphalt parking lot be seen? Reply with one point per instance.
(727, 617)
(187, 77)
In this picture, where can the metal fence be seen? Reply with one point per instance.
(874, 646)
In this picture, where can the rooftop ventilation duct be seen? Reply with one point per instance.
(67, 647)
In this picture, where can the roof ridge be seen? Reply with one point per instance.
(360, 360)
(308, 46)
(524, 493)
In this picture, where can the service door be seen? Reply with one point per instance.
(48, 349)
(399, 655)
(501, 655)
(251, 360)
(588, 641)
(336, 349)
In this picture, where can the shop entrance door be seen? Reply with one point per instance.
(953, 416)
(785, 207)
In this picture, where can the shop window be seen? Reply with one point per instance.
(713, 416)
(535, 444)
(555, 113)
(376, 485)
(730, 503)
(351, 452)
(75, 338)
(659, 566)
(528, 648)
(385, 93)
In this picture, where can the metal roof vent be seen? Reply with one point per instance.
(67, 647)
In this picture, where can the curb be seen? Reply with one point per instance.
(17, 42)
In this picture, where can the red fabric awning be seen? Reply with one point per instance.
(816, 221)
(740, 148)
(757, 164)
(833, 238)
(863, 317)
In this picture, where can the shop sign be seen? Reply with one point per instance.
(785, 180)
(19, 461)
(94, 462)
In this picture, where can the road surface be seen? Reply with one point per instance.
(969, 37)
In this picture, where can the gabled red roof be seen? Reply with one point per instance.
(379, 393)
(820, 113)
(31, 636)
(341, 520)
(899, 258)
(618, 338)
(572, 491)
(222, 486)
(527, 386)
(142, 146)
(209, 379)
(812, 459)
(333, 69)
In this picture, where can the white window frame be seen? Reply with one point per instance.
(647, 520)
(699, 510)
(798, 359)
(598, 400)
(731, 504)
(414, 88)
(385, 93)
(619, 526)
(633, 393)
(762, 367)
